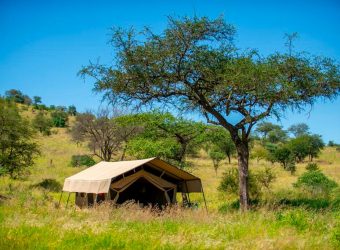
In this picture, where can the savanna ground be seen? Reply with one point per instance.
(30, 219)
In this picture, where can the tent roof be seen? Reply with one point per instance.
(97, 179)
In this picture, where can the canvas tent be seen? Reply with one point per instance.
(148, 181)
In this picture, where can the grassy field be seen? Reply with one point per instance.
(30, 219)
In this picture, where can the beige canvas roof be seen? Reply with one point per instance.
(97, 179)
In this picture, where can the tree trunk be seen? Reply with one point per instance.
(124, 152)
(243, 160)
(229, 158)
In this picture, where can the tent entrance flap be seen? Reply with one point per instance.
(145, 192)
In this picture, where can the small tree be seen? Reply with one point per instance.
(72, 110)
(216, 156)
(268, 129)
(17, 151)
(36, 101)
(299, 129)
(218, 138)
(259, 152)
(285, 157)
(229, 184)
(59, 118)
(82, 160)
(42, 123)
(265, 177)
(103, 133)
(306, 145)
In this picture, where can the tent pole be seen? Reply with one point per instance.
(186, 186)
(61, 194)
(68, 198)
(205, 203)
(85, 197)
(116, 198)
(95, 200)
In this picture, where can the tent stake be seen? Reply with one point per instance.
(61, 194)
(68, 198)
(205, 203)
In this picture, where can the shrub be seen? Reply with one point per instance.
(59, 118)
(216, 155)
(49, 184)
(82, 160)
(312, 167)
(230, 183)
(316, 183)
(285, 157)
(265, 177)
(42, 123)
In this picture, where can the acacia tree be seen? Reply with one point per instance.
(194, 66)
(106, 135)
(299, 129)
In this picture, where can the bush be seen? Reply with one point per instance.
(316, 183)
(230, 183)
(312, 167)
(285, 157)
(265, 177)
(59, 118)
(42, 123)
(49, 184)
(82, 160)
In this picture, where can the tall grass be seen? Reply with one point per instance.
(283, 218)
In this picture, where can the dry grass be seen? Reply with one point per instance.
(29, 218)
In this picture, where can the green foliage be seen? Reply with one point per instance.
(230, 184)
(72, 110)
(299, 129)
(42, 123)
(312, 166)
(194, 66)
(59, 118)
(260, 152)
(82, 160)
(315, 183)
(284, 155)
(306, 145)
(265, 177)
(36, 101)
(18, 97)
(17, 151)
(217, 138)
(182, 135)
(216, 155)
(49, 184)
(165, 148)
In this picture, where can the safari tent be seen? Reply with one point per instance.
(148, 181)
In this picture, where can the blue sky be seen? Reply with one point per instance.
(44, 43)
